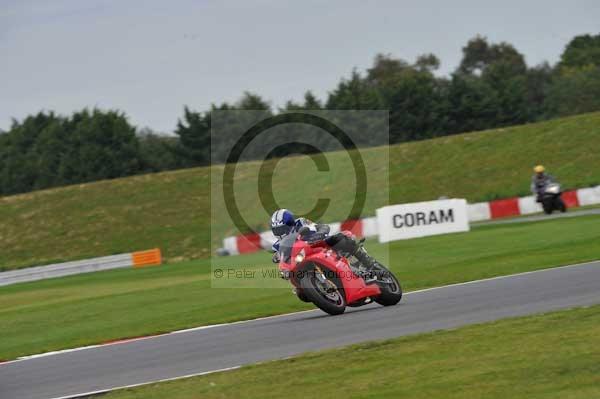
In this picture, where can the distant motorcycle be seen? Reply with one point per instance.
(331, 280)
(551, 198)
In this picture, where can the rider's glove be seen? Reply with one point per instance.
(276, 257)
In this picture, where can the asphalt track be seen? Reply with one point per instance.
(206, 349)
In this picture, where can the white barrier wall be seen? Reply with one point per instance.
(400, 222)
(479, 211)
(267, 239)
(528, 205)
(230, 244)
(589, 196)
(369, 227)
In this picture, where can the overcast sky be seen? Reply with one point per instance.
(149, 58)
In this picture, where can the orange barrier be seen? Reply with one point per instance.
(151, 257)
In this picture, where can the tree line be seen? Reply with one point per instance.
(492, 87)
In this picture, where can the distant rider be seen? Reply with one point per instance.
(284, 223)
(539, 181)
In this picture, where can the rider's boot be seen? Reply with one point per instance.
(349, 247)
(364, 258)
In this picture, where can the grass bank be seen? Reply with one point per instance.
(172, 210)
(91, 308)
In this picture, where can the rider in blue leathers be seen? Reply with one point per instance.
(284, 223)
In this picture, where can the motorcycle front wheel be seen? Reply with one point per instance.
(560, 204)
(324, 291)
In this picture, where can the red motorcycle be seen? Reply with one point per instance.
(332, 279)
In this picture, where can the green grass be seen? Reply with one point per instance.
(172, 210)
(91, 308)
(553, 355)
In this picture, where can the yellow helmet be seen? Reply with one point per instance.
(539, 169)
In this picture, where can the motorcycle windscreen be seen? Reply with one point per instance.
(286, 245)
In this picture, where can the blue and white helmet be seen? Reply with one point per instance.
(282, 222)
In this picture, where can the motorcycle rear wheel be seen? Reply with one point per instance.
(548, 205)
(328, 296)
(389, 285)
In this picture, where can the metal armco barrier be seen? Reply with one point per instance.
(135, 259)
